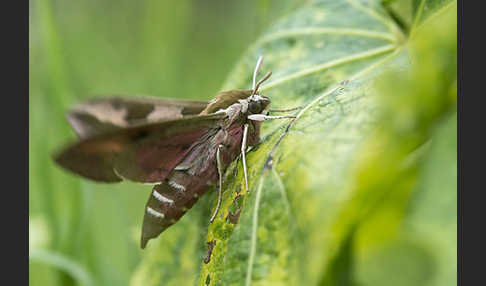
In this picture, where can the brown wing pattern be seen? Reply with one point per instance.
(102, 115)
(143, 154)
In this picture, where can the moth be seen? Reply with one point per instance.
(181, 147)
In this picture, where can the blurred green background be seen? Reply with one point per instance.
(80, 49)
(383, 212)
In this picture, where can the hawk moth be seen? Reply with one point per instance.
(182, 147)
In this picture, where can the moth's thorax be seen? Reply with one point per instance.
(237, 113)
(202, 155)
(253, 103)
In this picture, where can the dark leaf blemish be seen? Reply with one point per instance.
(210, 245)
(269, 163)
(235, 210)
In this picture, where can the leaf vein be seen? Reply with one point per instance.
(328, 92)
(281, 188)
(432, 17)
(419, 14)
(320, 31)
(254, 227)
(353, 77)
(327, 65)
(371, 13)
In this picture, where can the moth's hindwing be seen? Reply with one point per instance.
(99, 116)
(144, 153)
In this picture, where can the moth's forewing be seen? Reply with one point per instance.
(173, 197)
(144, 153)
(225, 99)
(99, 116)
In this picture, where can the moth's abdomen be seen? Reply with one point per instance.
(170, 200)
(173, 197)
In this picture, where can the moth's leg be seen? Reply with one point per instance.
(243, 152)
(220, 189)
(262, 117)
(285, 110)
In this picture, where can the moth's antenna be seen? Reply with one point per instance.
(255, 73)
(261, 81)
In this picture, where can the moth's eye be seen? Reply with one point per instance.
(254, 107)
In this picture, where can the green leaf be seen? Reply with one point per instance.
(330, 191)
(425, 9)
(310, 52)
(63, 263)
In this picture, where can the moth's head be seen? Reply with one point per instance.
(257, 103)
